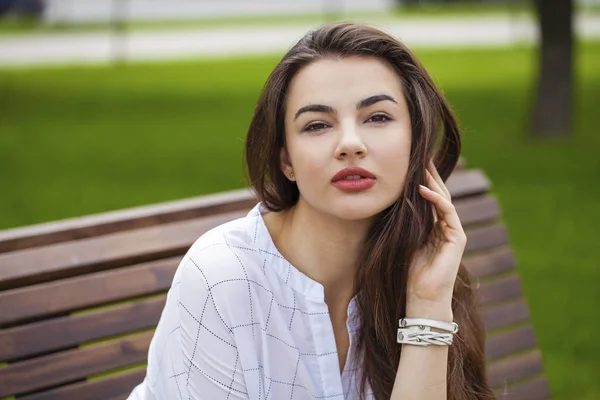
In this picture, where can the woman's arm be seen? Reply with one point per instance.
(422, 370)
(193, 354)
(211, 361)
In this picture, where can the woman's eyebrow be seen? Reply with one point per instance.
(369, 101)
(315, 108)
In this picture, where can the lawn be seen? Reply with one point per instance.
(81, 140)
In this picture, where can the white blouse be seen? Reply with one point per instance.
(241, 322)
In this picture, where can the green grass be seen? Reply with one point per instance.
(80, 140)
(548, 190)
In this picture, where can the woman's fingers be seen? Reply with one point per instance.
(445, 211)
(434, 185)
(431, 184)
(436, 176)
(440, 197)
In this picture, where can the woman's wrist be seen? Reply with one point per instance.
(441, 311)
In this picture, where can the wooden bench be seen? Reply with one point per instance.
(79, 298)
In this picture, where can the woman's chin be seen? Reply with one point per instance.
(356, 209)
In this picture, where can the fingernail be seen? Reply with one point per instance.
(425, 188)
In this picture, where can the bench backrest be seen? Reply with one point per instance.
(79, 299)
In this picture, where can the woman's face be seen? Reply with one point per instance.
(343, 113)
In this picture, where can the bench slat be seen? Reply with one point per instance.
(467, 183)
(514, 368)
(477, 209)
(72, 258)
(505, 343)
(122, 220)
(53, 298)
(535, 389)
(498, 290)
(71, 365)
(113, 387)
(493, 262)
(505, 314)
(71, 331)
(483, 238)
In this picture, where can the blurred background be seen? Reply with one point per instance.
(107, 104)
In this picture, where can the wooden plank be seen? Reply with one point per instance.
(478, 209)
(493, 262)
(118, 221)
(62, 260)
(115, 386)
(509, 342)
(71, 331)
(467, 183)
(514, 368)
(535, 389)
(71, 365)
(486, 237)
(505, 314)
(498, 290)
(65, 295)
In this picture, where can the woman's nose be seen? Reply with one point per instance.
(350, 144)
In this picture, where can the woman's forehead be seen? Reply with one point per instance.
(343, 81)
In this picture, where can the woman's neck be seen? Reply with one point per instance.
(321, 246)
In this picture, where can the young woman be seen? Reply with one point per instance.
(345, 280)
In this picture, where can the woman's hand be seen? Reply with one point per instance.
(435, 266)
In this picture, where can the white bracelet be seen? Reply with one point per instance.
(423, 337)
(451, 327)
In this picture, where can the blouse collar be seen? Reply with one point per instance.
(289, 274)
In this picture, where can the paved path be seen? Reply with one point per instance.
(84, 48)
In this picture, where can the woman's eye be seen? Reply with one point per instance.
(317, 126)
(379, 118)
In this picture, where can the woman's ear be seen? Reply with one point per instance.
(285, 164)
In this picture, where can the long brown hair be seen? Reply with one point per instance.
(396, 232)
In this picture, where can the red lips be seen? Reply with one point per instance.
(363, 173)
(365, 180)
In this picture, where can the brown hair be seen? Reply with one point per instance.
(396, 232)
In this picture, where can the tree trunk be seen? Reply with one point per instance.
(552, 115)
